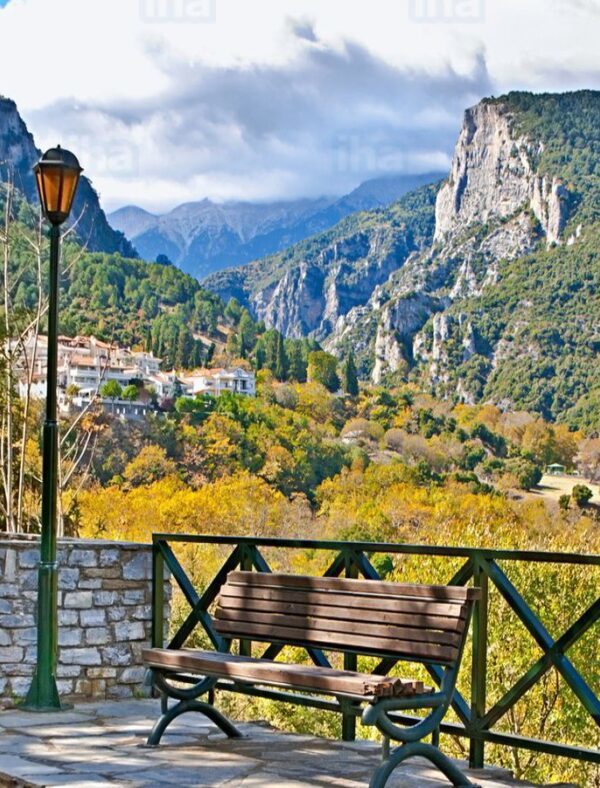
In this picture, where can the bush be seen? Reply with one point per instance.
(581, 494)
(527, 473)
(564, 502)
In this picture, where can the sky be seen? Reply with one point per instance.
(168, 101)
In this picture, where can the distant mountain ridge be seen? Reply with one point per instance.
(18, 154)
(204, 237)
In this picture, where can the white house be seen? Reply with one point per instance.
(217, 381)
(164, 383)
(87, 372)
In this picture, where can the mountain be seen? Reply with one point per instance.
(203, 237)
(18, 154)
(485, 287)
(307, 289)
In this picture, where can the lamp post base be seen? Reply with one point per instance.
(43, 696)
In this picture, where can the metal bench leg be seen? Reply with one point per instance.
(181, 707)
(433, 754)
(385, 748)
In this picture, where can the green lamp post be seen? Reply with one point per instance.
(57, 175)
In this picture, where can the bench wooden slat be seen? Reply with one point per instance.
(371, 604)
(458, 594)
(299, 608)
(303, 636)
(374, 628)
(309, 678)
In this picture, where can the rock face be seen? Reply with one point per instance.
(320, 287)
(493, 178)
(494, 206)
(18, 154)
(490, 174)
(311, 298)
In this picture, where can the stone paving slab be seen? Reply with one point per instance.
(103, 744)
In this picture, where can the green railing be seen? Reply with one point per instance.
(482, 567)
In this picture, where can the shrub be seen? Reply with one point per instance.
(564, 502)
(581, 494)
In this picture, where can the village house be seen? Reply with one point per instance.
(217, 381)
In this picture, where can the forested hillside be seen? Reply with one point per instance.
(535, 336)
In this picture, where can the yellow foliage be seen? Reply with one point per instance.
(241, 504)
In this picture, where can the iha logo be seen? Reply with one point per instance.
(458, 11)
(195, 11)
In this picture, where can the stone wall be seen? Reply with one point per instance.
(105, 611)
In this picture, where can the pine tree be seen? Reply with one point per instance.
(270, 341)
(350, 380)
(260, 356)
(198, 352)
(297, 370)
(233, 311)
(210, 352)
(184, 349)
(281, 360)
(247, 333)
(233, 346)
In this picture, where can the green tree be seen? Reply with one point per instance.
(322, 368)
(581, 494)
(297, 368)
(233, 345)
(269, 342)
(185, 348)
(564, 502)
(350, 379)
(233, 311)
(197, 355)
(260, 355)
(130, 393)
(111, 390)
(281, 360)
(247, 333)
(527, 473)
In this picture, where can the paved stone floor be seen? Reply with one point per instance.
(102, 744)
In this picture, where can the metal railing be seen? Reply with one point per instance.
(476, 719)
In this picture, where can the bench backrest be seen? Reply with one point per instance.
(411, 622)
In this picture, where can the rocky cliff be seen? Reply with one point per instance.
(495, 206)
(493, 177)
(18, 154)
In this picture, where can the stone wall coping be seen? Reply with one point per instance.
(15, 540)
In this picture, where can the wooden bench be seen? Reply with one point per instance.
(416, 623)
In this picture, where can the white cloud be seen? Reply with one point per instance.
(274, 98)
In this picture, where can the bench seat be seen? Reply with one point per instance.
(364, 686)
(415, 623)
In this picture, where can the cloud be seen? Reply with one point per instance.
(591, 7)
(303, 29)
(332, 116)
